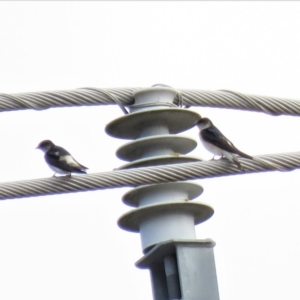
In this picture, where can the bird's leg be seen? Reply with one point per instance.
(69, 175)
(213, 158)
(54, 175)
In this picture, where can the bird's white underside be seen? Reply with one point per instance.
(57, 170)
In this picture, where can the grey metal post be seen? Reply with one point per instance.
(172, 277)
(181, 266)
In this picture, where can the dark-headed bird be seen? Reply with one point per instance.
(60, 160)
(215, 142)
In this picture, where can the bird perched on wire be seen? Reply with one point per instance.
(59, 159)
(215, 142)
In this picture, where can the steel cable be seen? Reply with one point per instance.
(123, 97)
(142, 176)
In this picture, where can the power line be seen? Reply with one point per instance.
(123, 97)
(141, 176)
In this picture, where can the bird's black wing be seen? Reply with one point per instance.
(56, 153)
(214, 136)
(53, 157)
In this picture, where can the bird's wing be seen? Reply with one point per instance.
(66, 157)
(54, 154)
(62, 159)
(70, 160)
(214, 136)
(53, 157)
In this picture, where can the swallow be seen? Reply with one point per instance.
(60, 160)
(216, 143)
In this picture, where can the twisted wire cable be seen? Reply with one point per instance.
(123, 97)
(142, 176)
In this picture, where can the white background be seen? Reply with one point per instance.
(69, 246)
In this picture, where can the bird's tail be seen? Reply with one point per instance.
(83, 167)
(242, 154)
(80, 167)
(233, 158)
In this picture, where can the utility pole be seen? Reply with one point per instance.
(181, 266)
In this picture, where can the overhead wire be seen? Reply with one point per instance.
(146, 175)
(124, 97)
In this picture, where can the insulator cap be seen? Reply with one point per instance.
(164, 221)
(155, 121)
(157, 145)
(150, 194)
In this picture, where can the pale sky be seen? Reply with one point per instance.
(70, 247)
